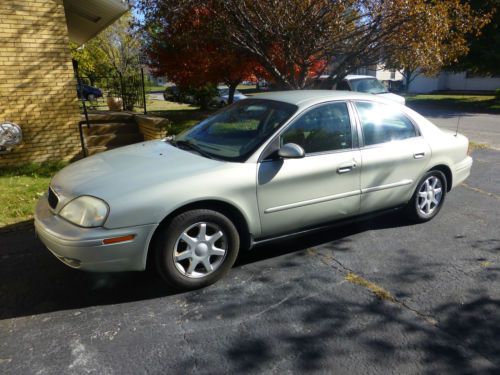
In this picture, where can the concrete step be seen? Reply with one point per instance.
(108, 116)
(110, 128)
(119, 139)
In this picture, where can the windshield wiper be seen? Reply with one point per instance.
(193, 147)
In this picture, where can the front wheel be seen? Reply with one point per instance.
(428, 197)
(197, 249)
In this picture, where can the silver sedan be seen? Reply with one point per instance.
(274, 165)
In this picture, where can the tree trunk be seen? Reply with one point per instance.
(232, 89)
(410, 75)
(407, 74)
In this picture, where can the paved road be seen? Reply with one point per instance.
(379, 296)
(478, 127)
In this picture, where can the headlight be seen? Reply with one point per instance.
(85, 211)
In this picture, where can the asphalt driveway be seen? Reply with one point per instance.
(482, 128)
(379, 296)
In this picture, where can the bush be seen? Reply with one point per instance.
(497, 94)
(200, 95)
(204, 95)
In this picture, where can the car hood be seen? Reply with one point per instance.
(396, 98)
(128, 169)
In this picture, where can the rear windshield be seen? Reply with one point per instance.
(368, 85)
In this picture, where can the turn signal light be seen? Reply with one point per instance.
(109, 241)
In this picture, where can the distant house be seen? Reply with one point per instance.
(444, 81)
(154, 79)
(38, 87)
(448, 81)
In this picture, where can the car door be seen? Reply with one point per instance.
(393, 156)
(320, 187)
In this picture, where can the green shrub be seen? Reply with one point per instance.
(204, 95)
(497, 94)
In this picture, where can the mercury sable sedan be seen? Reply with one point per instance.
(274, 165)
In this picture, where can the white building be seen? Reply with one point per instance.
(379, 72)
(448, 81)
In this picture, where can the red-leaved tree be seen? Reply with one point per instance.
(291, 39)
(184, 43)
(181, 47)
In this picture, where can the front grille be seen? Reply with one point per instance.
(53, 199)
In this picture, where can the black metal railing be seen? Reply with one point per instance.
(128, 91)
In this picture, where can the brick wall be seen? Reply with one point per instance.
(152, 127)
(37, 86)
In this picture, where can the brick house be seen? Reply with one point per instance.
(37, 84)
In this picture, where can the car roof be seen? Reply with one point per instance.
(348, 77)
(308, 97)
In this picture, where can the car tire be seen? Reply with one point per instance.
(193, 242)
(428, 197)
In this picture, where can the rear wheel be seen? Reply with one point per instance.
(428, 197)
(197, 249)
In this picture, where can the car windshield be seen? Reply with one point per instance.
(368, 85)
(235, 132)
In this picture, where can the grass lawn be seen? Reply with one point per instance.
(20, 189)
(154, 89)
(472, 103)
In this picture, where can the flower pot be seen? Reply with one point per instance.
(115, 103)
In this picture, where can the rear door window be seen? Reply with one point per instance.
(381, 123)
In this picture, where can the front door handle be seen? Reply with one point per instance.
(419, 155)
(346, 168)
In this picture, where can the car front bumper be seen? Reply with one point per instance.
(83, 248)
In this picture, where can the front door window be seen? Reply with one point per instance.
(322, 129)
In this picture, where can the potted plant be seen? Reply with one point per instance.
(114, 99)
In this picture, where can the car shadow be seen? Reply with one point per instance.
(33, 281)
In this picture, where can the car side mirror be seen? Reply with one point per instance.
(291, 151)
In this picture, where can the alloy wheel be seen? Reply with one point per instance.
(200, 250)
(430, 195)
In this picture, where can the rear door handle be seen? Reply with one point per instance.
(419, 155)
